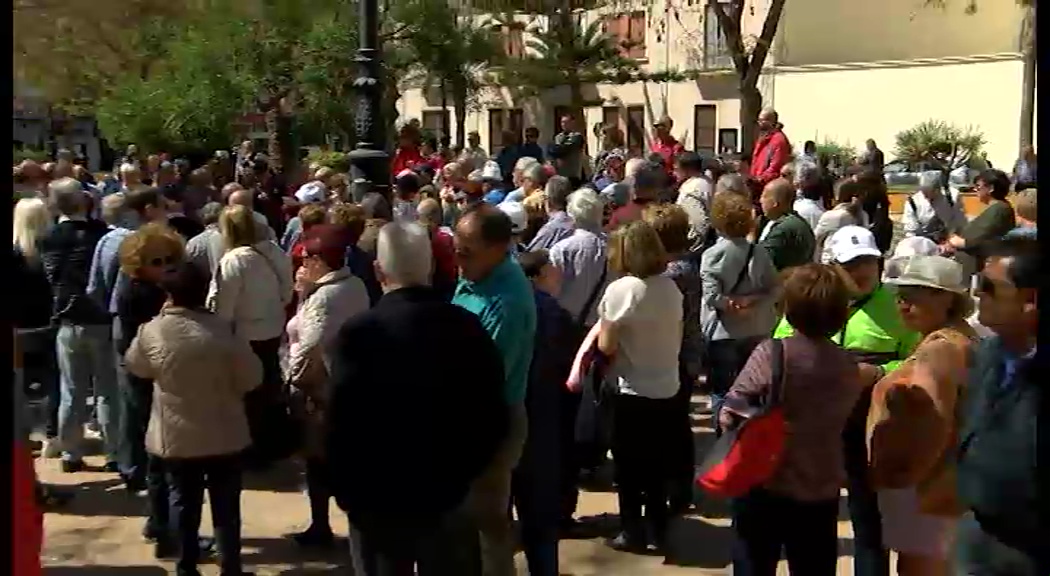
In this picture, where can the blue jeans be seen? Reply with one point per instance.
(85, 357)
(726, 358)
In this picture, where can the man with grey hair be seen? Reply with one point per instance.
(581, 257)
(732, 183)
(932, 213)
(529, 176)
(559, 225)
(205, 249)
(426, 424)
(808, 193)
(85, 356)
(113, 210)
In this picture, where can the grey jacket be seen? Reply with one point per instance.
(720, 266)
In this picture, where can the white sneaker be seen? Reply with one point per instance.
(51, 449)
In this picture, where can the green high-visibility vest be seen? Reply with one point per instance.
(874, 332)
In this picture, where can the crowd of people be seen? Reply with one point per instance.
(476, 341)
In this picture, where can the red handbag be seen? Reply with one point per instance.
(749, 454)
(28, 533)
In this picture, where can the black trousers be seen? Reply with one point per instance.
(452, 549)
(261, 405)
(766, 524)
(570, 460)
(136, 396)
(726, 358)
(643, 428)
(869, 556)
(159, 521)
(40, 366)
(683, 453)
(187, 480)
(318, 492)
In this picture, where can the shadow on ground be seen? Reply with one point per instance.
(283, 551)
(283, 476)
(102, 498)
(104, 571)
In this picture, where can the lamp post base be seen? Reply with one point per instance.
(369, 172)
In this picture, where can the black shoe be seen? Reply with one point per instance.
(624, 543)
(151, 533)
(164, 549)
(112, 467)
(71, 466)
(49, 497)
(315, 538)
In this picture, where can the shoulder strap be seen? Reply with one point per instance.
(856, 307)
(911, 202)
(594, 296)
(776, 388)
(743, 270)
(269, 264)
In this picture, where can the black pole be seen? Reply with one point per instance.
(370, 164)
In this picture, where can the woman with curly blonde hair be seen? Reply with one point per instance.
(148, 256)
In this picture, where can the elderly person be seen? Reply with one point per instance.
(795, 511)
(809, 201)
(149, 256)
(640, 328)
(251, 288)
(378, 212)
(330, 295)
(559, 224)
(913, 423)
(934, 211)
(672, 225)
(992, 187)
(1027, 213)
(581, 258)
(85, 356)
(529, 176)
(647, 183)
(739, 291)
(733, 183)
(847, 212)
(694, 196)
(34, 332)
(442, 246)
(205, 249)
(237, 195)
(610, 168)
(786, 236)
(201, 372)
(372, 392)
(493, 287)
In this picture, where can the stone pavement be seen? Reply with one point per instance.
(99, 533)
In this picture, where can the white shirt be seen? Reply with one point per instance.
(918, 211)
(810, 211)
(251, 287)
(648, 314)
(694, 196)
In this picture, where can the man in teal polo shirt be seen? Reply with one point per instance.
(494, 287)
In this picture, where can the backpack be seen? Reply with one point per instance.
(746, 456)
(935, 229)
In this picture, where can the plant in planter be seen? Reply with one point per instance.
(839, 155)
(938, 145)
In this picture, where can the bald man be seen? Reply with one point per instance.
(772, 149)
(237, 195)
(784, 234)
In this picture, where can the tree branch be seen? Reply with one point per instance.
(731, 29)
(765, 42)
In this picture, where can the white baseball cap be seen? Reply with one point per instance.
(311, 193)
(519, 219)
(851, 242)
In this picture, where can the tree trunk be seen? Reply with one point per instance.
(446, 130)
(1028, 51)
(459, 104)
(750, 106)
(272, 117)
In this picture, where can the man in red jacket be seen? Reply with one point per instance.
(772, 149)
(665, 144)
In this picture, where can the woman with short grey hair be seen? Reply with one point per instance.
(581, 257)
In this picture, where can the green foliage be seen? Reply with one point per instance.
(840, 154)
(337, 161)
(22, 154)
(938, 142)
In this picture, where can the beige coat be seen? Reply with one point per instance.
(200, 374)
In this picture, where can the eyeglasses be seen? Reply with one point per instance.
(169, 260)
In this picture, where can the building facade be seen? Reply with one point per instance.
(839, 69)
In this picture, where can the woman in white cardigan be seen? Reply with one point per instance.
(330, 295)
(250, 289)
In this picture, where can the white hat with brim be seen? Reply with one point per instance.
(519, 218)
(850, 242)
(935, 272)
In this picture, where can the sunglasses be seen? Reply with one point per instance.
(165, 261)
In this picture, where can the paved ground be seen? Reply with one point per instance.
(99, 532)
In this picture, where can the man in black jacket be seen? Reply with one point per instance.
(83, 341)
(416, 412)
(1005, 530)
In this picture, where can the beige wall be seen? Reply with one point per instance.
(837, 31)
(853, 105)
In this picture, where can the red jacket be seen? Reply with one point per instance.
(28, 529)
(405, 158)
(771, 152)
(668, 150)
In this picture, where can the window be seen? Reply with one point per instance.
(635, 131)
(434, 122)
(628, 31)
(513, 41)
(705, 128)
(727, 140)
(716, 47)
(502, 120)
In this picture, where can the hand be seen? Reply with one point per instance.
(956, 241)
(870, 374)
(946, 249)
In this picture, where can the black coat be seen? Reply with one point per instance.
(416, 412)
(33, 309)
(66, 251)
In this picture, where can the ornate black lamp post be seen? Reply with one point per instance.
(369, 160)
